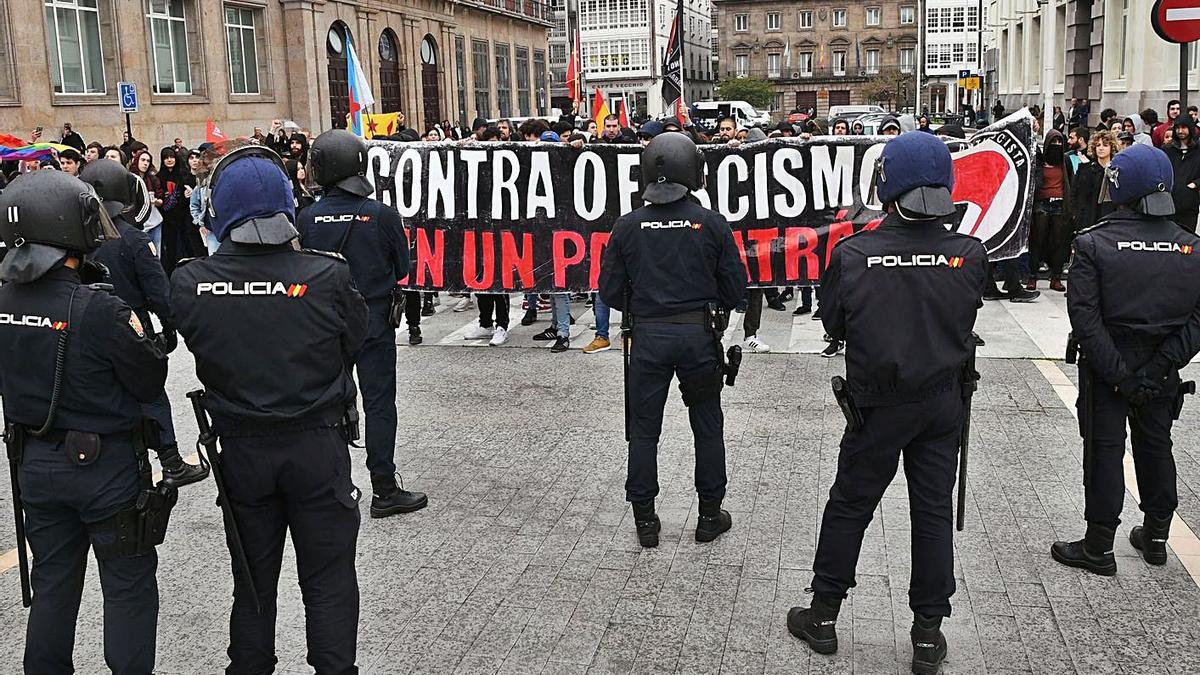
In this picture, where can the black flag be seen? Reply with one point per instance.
(672, 87)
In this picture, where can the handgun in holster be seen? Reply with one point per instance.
(717, 321)
(138, 528)
(845, 401)
(349, 426)
(1185, 389)
(396, 308)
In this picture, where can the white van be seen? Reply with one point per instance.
(849, 112)
(743, 113)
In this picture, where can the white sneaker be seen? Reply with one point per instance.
(464, 304)
(756, 345)
(499, 337)
(478, 332)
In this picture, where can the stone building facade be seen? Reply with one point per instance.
(817, 53)
(247, 62)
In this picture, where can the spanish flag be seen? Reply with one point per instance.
(599, 108)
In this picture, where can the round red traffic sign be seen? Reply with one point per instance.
(1176, 20)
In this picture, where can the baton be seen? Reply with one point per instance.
(208, 440)
(14, 439)
(626, 340)
(970, 382)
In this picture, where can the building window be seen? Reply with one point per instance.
(958, 21)
(872, 61)
(8, 78)
(908, 15)
(931, 20)
(460, 74)
(242, 32)
(957, 53)
(774, 21)
(539, 80)
(168, 47)
(806, 64)
(482, 67)
(908, 58)
(972, 55)
(839, 62)
(503, 81)
(972, 18)
(741, 22)
(622, 55)
(742, 65)
(76, 57)
(839, 18)
(806, 19)
(1123, 43)
(522, 63)
(773, 65)
(874, 16)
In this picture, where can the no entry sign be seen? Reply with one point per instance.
(1177, 20)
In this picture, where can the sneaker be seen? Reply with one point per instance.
(598, 344)
(832, 349)
(561, 345)
(756, 345)
(777, 305)
(1056, 284)
(464, 304)
(1023, 295)
(787, 294)
(499, 337)
(1031, 284)
(816, 316)
(414, 336)
(427, 308)
(993, 293)
(530, 317)
(551, 333)
(478, 332)
(801, 310)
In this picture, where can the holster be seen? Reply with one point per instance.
(396, 310)
(349, 424)
(138, 528)
(841, 394)
(1185, 389)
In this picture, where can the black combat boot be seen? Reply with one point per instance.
(390, 499)
(414, 336)
(1093, 553)
(647, 523)
(176, 472)
(929, 645)
(816, 625)
(712, 521)
(1151, 539)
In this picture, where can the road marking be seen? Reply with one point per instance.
(1182, 539)
(9, 559)
(1183, 14)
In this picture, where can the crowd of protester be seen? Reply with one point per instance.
(1070, 196)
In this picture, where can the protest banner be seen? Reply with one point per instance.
(513, 217)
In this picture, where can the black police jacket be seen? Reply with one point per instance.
(375, 245)
(135, 273)
(110, 365)
(675, 257)
(1135, 288)
(274, 330)
(904, 298)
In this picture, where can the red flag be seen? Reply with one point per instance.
(574, 73)
(213, 133)
(599, 108)
(623, 114)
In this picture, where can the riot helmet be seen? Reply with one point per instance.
(250, 198)
(46, 216)
(1141, 178)
(338, 158)
(915, 172)
(672, 166)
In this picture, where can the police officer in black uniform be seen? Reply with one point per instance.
(371, 236)
(904, 299)
(274, 331)
(1133, 345)
(670, 298)
(138, 278)
(75, 368)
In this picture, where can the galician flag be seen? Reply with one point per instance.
(360, 89)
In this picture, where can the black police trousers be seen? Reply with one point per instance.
(659, 352)
(64, 506)
(376, 366)
(298, 482)
(1154, 464)
(926, 432)
(160, 409)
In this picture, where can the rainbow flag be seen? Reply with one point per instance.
(32, 151)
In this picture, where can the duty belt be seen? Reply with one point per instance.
(325, 418)
(695, 317)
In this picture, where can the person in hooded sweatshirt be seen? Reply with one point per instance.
(1184, 154)
(1049, 238)
(1134, 125)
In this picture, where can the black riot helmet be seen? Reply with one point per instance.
(45, 215)
(123, 193)
(339, 158)
(672, 166)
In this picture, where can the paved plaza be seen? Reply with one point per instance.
(526, 560)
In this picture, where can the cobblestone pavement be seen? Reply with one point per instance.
(526, 560)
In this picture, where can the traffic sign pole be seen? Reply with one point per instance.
(128, 126)
(1183, 77)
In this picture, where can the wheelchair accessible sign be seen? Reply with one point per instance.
(128, 94)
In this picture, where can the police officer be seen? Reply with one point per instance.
(75, 368)
(667, 296)
(905, 378)
(370, 235)
(274, 331)
(1133, 345)
(138, 278)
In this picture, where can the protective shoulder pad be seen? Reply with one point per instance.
(105, 288)
(184, 261)
(328, 254)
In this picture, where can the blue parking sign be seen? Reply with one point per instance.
(129, 102)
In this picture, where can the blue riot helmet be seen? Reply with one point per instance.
(1141, 178)
(250, 198)
(915, 172)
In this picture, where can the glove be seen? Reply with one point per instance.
(168, 340)
(1156, 370)
(1138, 389)
(93, 272)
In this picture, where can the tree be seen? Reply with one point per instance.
(889, 88)
(756, 91)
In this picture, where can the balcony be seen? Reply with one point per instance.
(530, 10)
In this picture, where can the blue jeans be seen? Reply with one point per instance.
(560, 310)
(155, 235)
(602, 312)
(211, 241)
